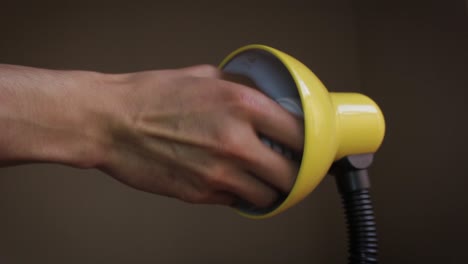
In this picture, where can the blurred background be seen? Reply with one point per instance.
(410, 56)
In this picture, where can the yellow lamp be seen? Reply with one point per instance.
(336, 125)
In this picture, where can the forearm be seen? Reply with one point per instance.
(52, 116)
(180, 133)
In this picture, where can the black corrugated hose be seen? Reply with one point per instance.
(353, 184)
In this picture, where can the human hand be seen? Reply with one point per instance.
(191, 135)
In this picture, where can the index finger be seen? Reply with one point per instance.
(274, 121)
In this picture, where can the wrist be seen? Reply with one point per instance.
(98, 115)
(87, 138)
(57, 116)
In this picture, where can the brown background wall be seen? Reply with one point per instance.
(413, 63)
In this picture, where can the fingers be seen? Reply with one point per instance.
(258, 175)
(272, 120)
(272, 167)
(246, 187)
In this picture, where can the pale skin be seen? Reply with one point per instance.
(185, 133)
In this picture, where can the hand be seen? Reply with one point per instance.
(191, 135)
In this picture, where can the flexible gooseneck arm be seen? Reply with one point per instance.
(353, 183)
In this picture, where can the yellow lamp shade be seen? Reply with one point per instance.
(335, 124)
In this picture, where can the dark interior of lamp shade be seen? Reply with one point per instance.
(266, 71)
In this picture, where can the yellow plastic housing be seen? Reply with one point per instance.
(335, 125)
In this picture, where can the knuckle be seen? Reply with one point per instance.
(243, 99)
(231, 143)
(206, 70)
(239, 100)
(217, 177)
(251, 98)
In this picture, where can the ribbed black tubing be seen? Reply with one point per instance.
(362, 231)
